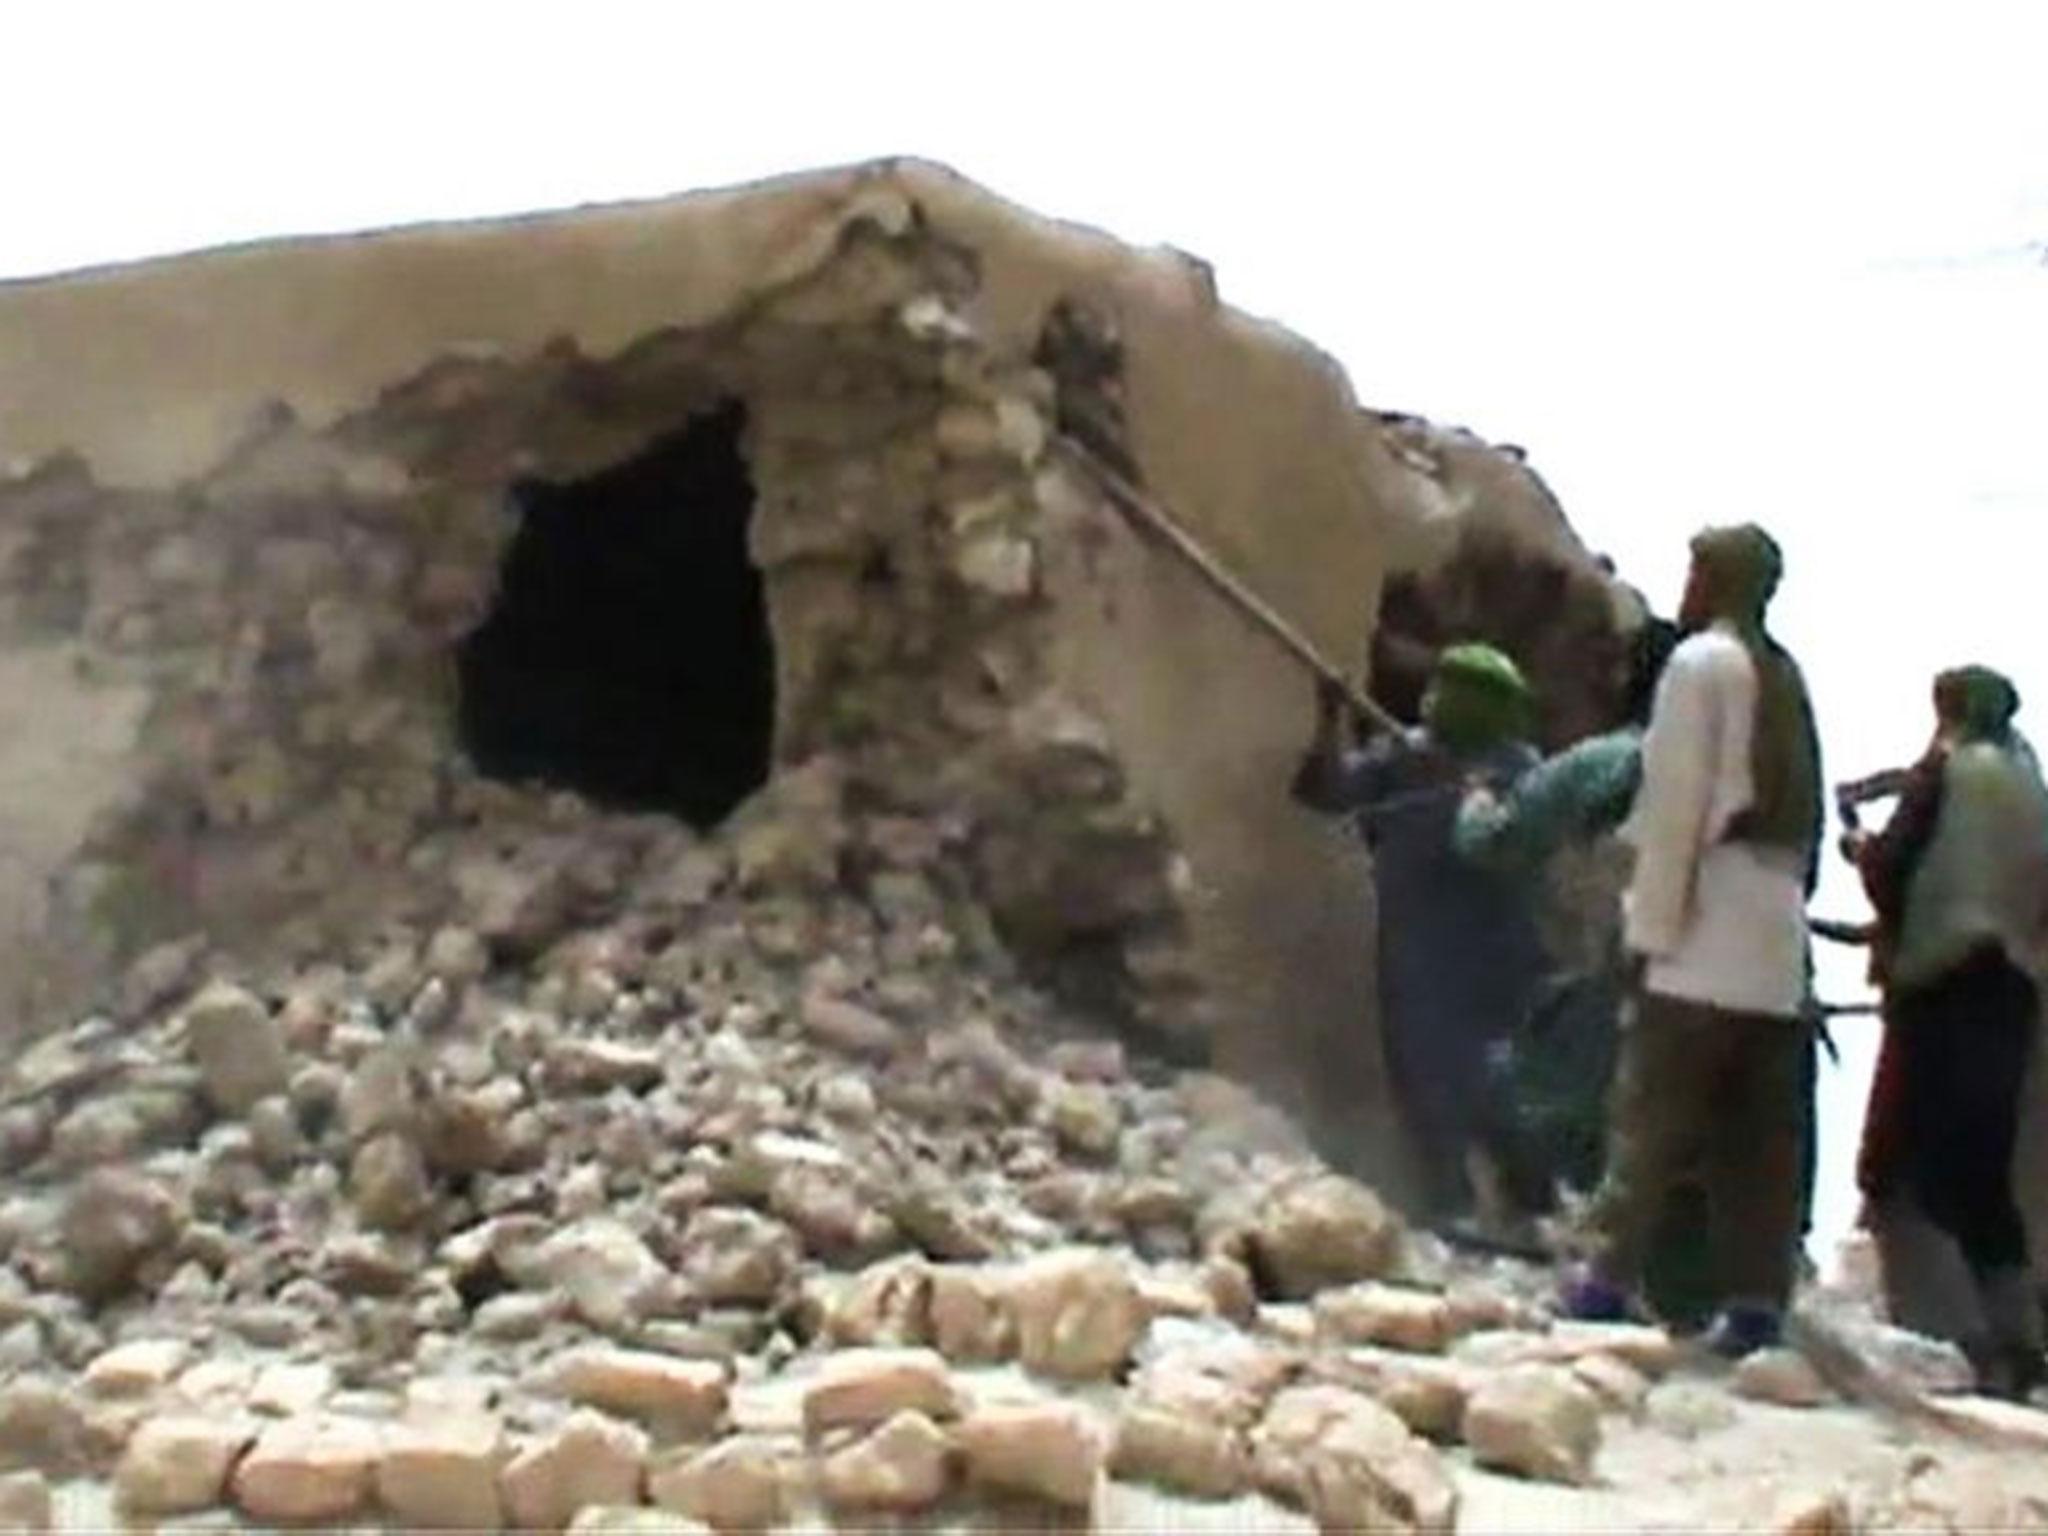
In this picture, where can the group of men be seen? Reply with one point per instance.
(1682, 1082)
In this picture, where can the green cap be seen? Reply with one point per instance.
(1477, 699)
(1473, 662)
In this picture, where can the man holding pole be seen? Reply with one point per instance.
(1459, 955)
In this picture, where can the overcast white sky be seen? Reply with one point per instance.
(1786, 262)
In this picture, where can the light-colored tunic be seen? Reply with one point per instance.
(1722, 923)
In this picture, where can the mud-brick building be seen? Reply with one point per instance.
(305, 545)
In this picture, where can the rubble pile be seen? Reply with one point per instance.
(518, 1212)
(754, 1197)
(295, 619)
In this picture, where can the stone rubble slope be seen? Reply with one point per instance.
(727, 1201)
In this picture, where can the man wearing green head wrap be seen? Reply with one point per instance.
(1712, 1073)
(1459, 957)
(1959, 881)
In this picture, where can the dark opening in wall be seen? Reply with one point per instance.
(628, 655)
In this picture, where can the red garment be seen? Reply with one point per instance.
(1877, 1158)
(1887, 865)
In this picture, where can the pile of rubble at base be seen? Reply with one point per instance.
(667, 1186)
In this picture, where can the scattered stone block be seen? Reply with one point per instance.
(179, 1463)
(26, 1504)
(1051, 1452)
(1351, 1463)
(388, 1181)
(440, 1471)
(237, 1047)
(1398, 1317)
(1811, 1513)
(308, 1470)
(1077, 1312)
(1780, 1376)
(1169, 1442)
(676, 1399)
(215, 1386)
(867, 1386)
(1322, 1230)
(1539, 1421)
(589, 1460)
(972, 1319)
(291, 1390)
(1085, 1118)
(1650, 1350)
(902, 1467)
(848, 1027)
(733, 1256)
(611, 1279)
(741, 1484)
(1620, 1387)
(113, 1221)
(137, 1369)
(43, 1428)
(1476, 1306)
(2014, 1426)
(1426, 1393)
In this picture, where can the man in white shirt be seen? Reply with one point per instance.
(1726, 830)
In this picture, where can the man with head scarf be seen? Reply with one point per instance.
(1553, 830)
(1579, 793)
(1713, 1063)
(1959, 880)
(1458, 953)
(1550, 1080)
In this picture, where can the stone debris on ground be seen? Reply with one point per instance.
(179, 1465)
(589, 1459)
(441, 1471)
(1047, 1451)
(1541, 1421)
(674, 1399)
(308, 1470)
(714, 1200)
(1428, 1395)
(1781, 1376)
(745, 1483)
(1351, 1463)
(1399, 1317)
(901, 1467)
(864, 1387)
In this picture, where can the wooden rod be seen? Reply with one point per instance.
(1155, 519)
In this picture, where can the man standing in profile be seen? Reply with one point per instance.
(1726, 829)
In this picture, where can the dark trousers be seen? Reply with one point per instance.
(1963, 1041)
(1706, 1089)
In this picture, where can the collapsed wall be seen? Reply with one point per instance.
(261, 510)
(313, 532)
